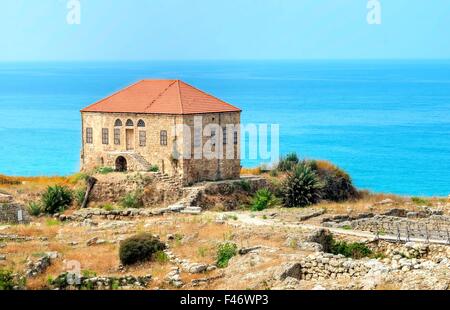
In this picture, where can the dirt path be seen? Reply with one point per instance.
(246, 219)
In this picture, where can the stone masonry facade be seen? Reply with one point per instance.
(138, 141)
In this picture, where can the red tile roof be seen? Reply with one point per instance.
(161, 97)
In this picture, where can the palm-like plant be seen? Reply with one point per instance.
(301, 187)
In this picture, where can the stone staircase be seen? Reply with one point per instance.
(187, 205)
(142, 163)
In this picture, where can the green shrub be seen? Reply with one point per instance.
(107, 207)
(301, 187)
(245, 185)
(80, 176)
(139, 248)
(35, 208)
(337, 184)
(52, 222)
(224, 253)
(132, 200)
(288, 162)
(88, 273)
(56, 199)
(8, 281)
(104, 170)
(153, 168)
(263, 199)
(161, 257)
(354, 250)
(420, 201)
(79, 196)
(273, 173)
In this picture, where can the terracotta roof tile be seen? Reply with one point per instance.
(161, 97)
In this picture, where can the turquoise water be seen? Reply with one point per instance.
(386, 122)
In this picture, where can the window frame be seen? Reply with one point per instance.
(89, 135)
(105, 136)
(141, 123)
(142, 138)
(224, 135)
(116, 136)
(163, 138)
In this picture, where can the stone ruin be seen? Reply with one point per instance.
(12, 213)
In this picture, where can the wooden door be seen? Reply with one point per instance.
(130, 139)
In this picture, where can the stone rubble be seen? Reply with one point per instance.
(35, 268)
(70, 281)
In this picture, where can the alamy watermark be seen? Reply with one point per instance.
(73, 16)
(73, 272)
(374, 12)
(226, 141)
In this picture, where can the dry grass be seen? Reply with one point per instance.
(251, 171)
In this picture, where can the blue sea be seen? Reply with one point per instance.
(386, 122)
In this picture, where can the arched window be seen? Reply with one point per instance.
(129, 123)
(118, 123)
(141, 123)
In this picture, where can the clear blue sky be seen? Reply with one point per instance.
(223, 29)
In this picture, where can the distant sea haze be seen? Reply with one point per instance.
(385, 122)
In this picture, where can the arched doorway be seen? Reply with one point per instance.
(121, 164)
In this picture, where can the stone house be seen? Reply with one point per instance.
(164, 124)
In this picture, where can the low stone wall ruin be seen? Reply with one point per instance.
(13, 213)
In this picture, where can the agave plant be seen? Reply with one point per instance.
(301, 187)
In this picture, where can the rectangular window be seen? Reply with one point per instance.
(224, 135)
(89, 135)
(142, 138)
(117, 136)
(235, 137)
(163, 137)
(105, 136)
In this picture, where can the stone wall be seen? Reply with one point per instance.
(230, 194)
(156, 190)
(97, 154)
(13, 213)
(226, 167)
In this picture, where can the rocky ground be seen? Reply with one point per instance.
(278, 248)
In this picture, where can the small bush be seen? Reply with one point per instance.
(8, 281)
(301, 187)
(354, 250)
(79, 196)
(263, 199)
(225, 252)
(273, 173)
(35, 208)
(107, 207)
(56, 199)
(288, 162)
(161, 257)
(337, 184)
(245, 185)
(104, 170)
(88, 273)
(52, 222)
(132, 200)
(420, 201)
(153, 168)
(75, 178)
(139, 248)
